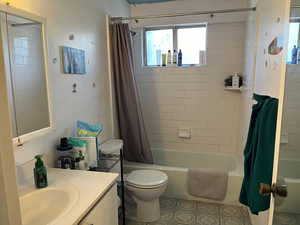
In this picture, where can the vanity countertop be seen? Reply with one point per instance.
(90, 188)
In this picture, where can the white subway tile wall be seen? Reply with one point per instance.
(194, 97)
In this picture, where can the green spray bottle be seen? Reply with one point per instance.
(40, 173)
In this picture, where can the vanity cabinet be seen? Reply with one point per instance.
(105, 212)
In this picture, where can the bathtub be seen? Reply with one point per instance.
(175, 164)
(289, 170)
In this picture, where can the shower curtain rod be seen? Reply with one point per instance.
(183, 14)
(23, 24)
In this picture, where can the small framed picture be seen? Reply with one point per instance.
(73, 61)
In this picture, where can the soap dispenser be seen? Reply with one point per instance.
(40, 173)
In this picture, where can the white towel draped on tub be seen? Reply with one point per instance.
(207, 183)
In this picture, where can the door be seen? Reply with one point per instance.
(272, 41)
(287, 210)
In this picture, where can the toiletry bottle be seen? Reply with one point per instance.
(158, 57)
(82, 163)
(40, 173)
(169, 57)
(175, 57)
(235, 81)
(180, 58)
(295, 55)
(164, 59)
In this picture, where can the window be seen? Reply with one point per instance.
(191, 40)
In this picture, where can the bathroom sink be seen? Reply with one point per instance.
(44, 206)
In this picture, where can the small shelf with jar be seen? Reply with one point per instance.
(234, 83)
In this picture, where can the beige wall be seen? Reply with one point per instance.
(86, 20)
(174, 98)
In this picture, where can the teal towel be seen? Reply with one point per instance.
(259, 153)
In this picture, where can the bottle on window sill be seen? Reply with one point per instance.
(179, 58)
(175, 57)
(169, 57)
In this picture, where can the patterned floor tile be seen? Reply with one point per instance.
(245, 211)
(166, 215)
(232, 221)
(186, 205)
(131, 222)
(168, 203)
(159, 223)
(231, 211)
(183, 212)
(247, 221)
(185, 217)
(285, 219)
(298, 218)
(208, 219)
(208, 208)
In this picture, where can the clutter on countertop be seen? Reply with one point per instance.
(80, 152)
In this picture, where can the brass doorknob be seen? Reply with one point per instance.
(276, 190)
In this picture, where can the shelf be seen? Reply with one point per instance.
(233, 89)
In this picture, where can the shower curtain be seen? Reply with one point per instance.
(130, 118)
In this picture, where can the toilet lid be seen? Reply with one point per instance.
(147, 178)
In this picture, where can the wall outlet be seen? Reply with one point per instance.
(185, 133)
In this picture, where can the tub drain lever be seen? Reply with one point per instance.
(276, 190)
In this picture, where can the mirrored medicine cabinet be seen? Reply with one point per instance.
(24, 57)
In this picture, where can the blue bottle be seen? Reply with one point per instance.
(294, 55)
(179, 58)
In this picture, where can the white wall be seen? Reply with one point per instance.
(195, 98)
(86, 20)
(249, 75)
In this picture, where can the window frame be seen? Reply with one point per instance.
(175, 29)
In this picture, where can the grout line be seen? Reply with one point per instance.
(220, 214)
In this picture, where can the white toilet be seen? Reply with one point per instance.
(145, 187)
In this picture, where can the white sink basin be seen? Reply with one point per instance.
(45, 206)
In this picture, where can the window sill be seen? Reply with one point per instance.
(175, 66)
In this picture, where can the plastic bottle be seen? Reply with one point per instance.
(40, 173)
(164, 59)
(169, 57)
(236, 81)
(175, 57)
(158, 57)
(295, 55)
(179, 58)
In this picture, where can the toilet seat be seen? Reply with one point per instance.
(146, 179)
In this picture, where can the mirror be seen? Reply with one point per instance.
(26, 74)
(287, 210)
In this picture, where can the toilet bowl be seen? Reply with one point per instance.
(145, 187)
